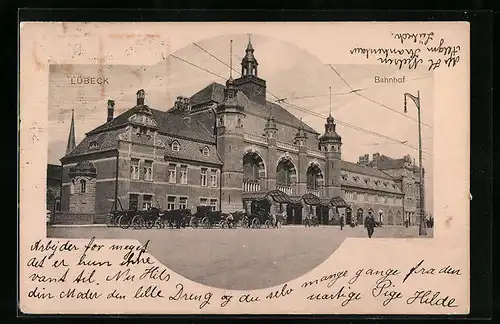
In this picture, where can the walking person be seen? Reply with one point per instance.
(341, 222)
(370, 223)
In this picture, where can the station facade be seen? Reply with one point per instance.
(228, 147)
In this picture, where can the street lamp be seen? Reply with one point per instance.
(422, 229)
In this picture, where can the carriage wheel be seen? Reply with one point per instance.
(123, 222)
(255, 223)
(244, 223)
(204, 222)
(149, 224)
(138, 222)
(223, 224)
(158, 222)
(193, 222)
(267, 224)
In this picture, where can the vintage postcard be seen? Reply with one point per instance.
(244, 168)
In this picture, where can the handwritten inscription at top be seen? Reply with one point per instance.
(418, 49)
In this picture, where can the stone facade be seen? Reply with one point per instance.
(225, 146)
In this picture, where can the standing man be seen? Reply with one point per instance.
(341, 222)
(370, 223)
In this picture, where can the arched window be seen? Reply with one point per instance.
(176, 146)
(72, 187)
(83, 186)
(206, 151)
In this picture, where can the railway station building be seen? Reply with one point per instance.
(228, 147)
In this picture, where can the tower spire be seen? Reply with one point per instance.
(71, 137)
(330, 96)
(231, 59)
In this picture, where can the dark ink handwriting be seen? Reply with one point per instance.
(422, 296)
(74, 294)
(148, 292)
(340, 294)
(181, 295)
(419, 270)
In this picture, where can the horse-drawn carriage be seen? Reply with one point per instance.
(178, 218)
(208, 218)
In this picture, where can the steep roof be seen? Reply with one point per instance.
(105, 141)
(171, 123)
(189, 150)
(214, 92)
(366, 170)
(387, 183)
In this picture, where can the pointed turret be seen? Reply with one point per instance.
(249, 63)
(301, 136)
(249, 83)
(71, 137)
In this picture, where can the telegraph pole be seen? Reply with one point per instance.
(422, 229)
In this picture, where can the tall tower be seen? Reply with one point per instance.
(249, 82)
(71, 137)
(330, 144)
(230, 116)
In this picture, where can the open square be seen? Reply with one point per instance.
(239, 258)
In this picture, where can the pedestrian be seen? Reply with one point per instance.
(370, 223)
(230, 220)
(341, 222)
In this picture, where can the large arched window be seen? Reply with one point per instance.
(284, 172)
(314, 175)
(252, 166)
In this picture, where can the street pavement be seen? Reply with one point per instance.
(238, 258)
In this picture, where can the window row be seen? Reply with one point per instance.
(147, 170)
(208, 177)
(173, 202)
(358, 196)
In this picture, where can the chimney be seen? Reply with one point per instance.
(375, 157)
(111, 110)
(141, 94)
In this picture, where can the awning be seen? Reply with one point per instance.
(311, 199)
(279, 196)
(338, 202)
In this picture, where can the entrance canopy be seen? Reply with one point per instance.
(276, 195)
(338, 202)
(311, 199)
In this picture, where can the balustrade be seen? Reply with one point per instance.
(255, 138)
(286, 189)
(287, 146)
(251, 186)
(313, 191)
(315, 153)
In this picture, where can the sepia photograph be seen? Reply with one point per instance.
(244, 168)
(245, 159)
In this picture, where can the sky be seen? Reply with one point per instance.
(290, 72)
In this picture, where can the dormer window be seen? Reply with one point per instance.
(176, 146)
(345, 176)
(206, 151)
(377, 182)
(93, 145)
(356, 178)
(367, 180)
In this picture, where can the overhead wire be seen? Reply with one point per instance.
(358, 128)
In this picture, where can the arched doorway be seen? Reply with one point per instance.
(294, 213)
(359, 216)
(285, 171)
(390, 217)
(322, 212)
(314, 178)
(253, 171)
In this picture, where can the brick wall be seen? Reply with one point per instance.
(73, 218)
(83, 202)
